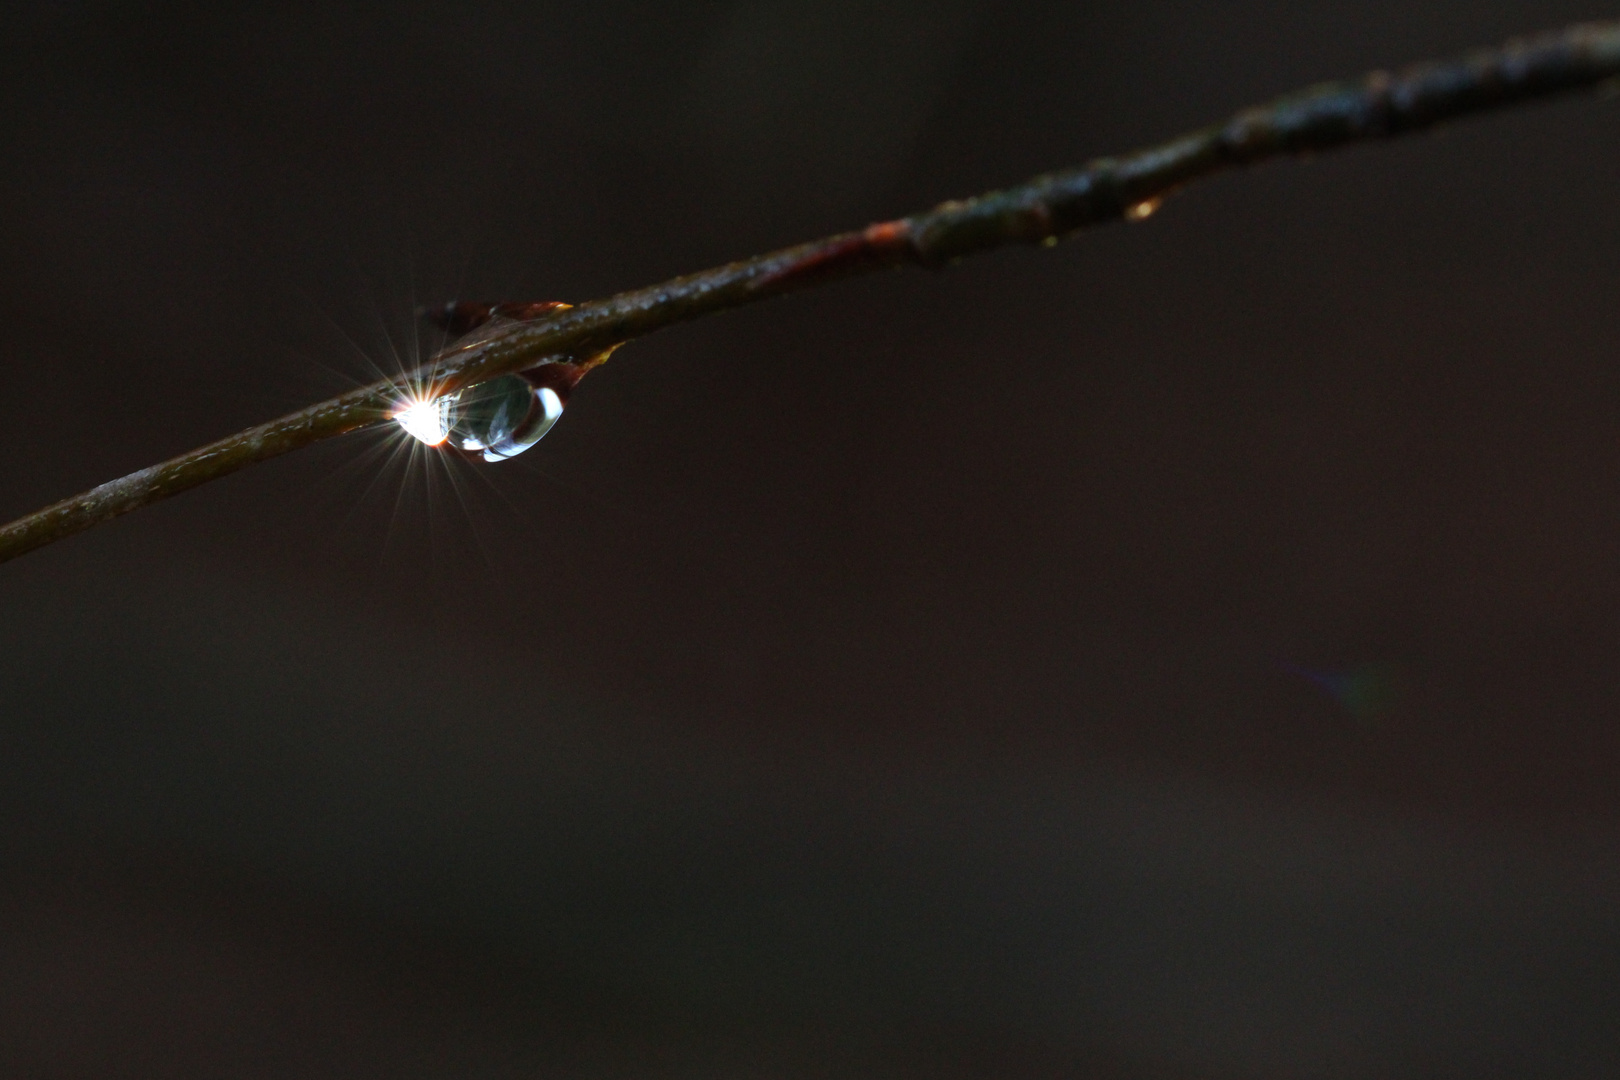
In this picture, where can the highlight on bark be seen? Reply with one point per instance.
(562, 342)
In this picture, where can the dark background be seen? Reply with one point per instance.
(1190, 652)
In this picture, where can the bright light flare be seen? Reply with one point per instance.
(427, 420)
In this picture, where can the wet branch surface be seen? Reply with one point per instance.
(1380, 105)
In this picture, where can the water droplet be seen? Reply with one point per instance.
(495, 420)
(1142, 210)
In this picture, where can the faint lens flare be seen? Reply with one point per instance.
(1367, 692)
(425, 419)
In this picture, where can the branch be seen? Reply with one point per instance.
(1380, 105)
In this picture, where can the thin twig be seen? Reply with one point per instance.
(1381, 105)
